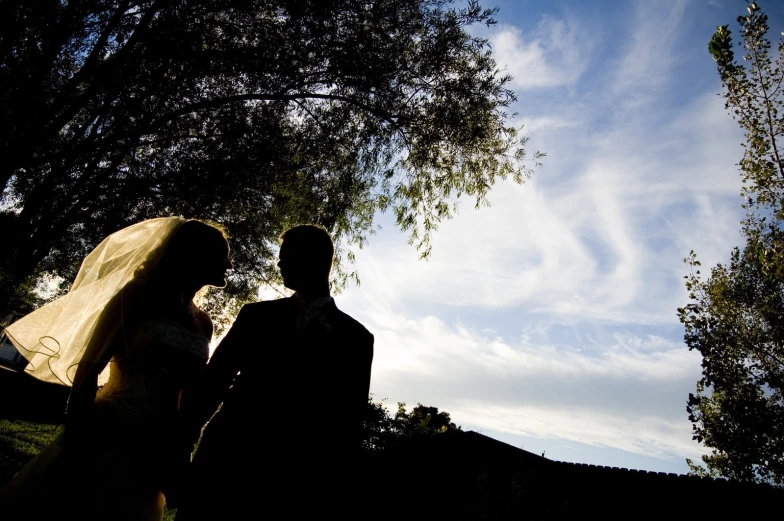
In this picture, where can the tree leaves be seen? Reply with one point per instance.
(380, 428)
(258, 115)
(735, 318)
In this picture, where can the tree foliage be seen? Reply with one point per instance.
(422, 420)
(735, 318)
(256, 114)
(377, 426)
(381, 429)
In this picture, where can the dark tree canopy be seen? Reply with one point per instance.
(256, 114)
(422, 420)
(380, 429)
(736, 317)
(377, 426)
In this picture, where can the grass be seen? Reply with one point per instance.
(31, 416)
(21, 440)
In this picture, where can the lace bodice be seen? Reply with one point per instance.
(146, 377)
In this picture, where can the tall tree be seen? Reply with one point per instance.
(255, 113)
(736, 317)
(422, 420)
(380, 428)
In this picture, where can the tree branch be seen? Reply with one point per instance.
(105, 71)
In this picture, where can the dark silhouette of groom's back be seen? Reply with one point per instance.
(293, 377)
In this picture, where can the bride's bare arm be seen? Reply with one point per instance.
(200, 400)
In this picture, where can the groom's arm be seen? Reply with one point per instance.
(200, 400)
(363, 362)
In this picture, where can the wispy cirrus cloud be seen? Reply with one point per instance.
(619, 391)
(646, 436)
(552, 313)
(551, 55)
(648, 53)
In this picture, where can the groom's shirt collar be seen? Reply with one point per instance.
(315, 310)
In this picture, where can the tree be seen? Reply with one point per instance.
(377, 426)
(380, 428)
(256, 114)
(736, 317)
(422, 420)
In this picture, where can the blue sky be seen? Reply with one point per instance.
(548, 320)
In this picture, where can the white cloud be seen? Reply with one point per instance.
(536, 125)
(552, 55)
(648, 56)
(601, 230)
(428, 345)
(625, 391)
(604, 240)
(647, 436)
(552, 314)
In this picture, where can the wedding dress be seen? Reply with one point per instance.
(116, 471)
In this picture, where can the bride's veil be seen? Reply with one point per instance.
(53, 338)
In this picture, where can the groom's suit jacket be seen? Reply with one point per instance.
(292, 399)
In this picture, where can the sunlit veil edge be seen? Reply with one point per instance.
(54, 337)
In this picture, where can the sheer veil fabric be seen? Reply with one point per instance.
(55, 337)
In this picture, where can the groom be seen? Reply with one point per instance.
(292, 376)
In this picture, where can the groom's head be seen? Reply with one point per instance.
(305, 257)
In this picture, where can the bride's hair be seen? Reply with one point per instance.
(183, 243)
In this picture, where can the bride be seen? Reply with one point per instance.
(127, 337)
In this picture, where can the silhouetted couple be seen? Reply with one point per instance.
(293, 377)
(290, 383)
